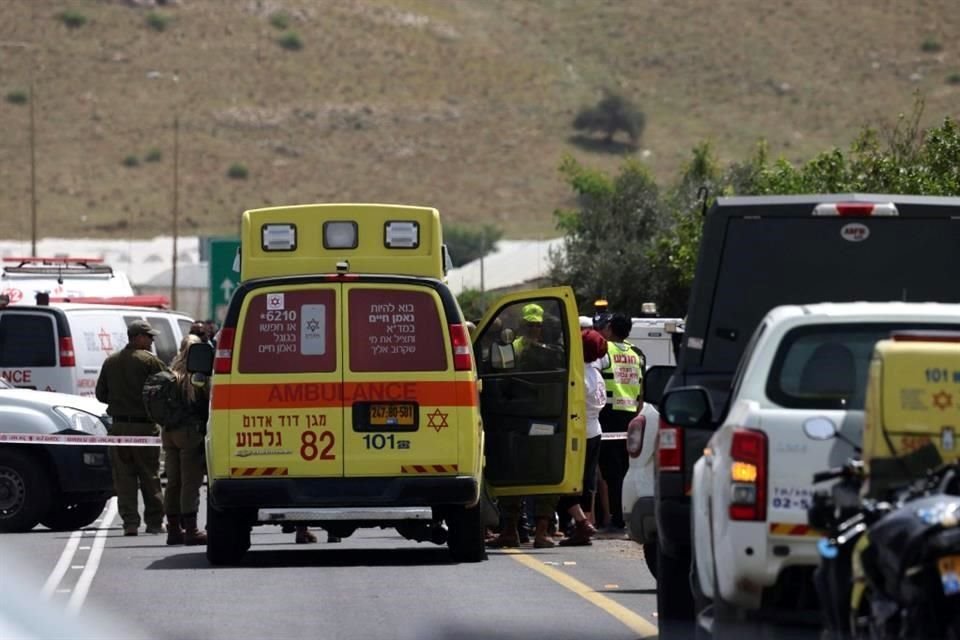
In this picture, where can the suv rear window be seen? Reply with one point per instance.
(27, 340)
(825, 366)
(289, 332)
(395, 330)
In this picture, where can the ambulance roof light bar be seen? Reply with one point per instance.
(401, 234)
(278, 237)
(340, 234)
(856, 209)
(53, 260)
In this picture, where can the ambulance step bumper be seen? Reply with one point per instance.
(345, 513)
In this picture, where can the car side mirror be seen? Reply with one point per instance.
(687, 407)
(654, 381)
(200, 358)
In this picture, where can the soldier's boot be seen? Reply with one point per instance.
(541, 535)
(175, 534)
(192, 536)
(508, 537)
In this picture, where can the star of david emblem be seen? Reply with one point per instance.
(312, 324)
(942, 400)
(437, 420)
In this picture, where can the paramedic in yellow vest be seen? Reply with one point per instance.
(623, 378)
(531, 330)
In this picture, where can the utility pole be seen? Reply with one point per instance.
(176, 206)
(33, 171)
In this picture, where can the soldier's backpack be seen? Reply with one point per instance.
(164, 401)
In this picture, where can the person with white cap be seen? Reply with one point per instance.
(120, 387)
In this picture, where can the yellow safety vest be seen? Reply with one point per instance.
(623, 377)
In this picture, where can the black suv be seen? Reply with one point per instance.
(762, 251)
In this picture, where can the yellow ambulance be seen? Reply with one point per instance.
(912, 408)
(347, 392)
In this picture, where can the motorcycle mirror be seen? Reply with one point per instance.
(820, 428)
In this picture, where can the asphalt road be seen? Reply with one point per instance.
(375, 584)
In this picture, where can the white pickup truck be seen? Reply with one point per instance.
(754, 552)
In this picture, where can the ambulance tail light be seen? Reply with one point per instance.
(856, 209)
(223, 359)
(669, 447)
(460, 340)
(68, 358)
(635, 434)
(748, 475)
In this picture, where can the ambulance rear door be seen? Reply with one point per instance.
(283, 396)
(529, 359)
(401, 390)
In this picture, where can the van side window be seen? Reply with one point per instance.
(395, 330)
(165, 343)
(289, 332)
(27, 340)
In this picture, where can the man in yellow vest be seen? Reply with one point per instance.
(623, 377)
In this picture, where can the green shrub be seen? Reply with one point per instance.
(18, 96)
(280, 20)
(153, 155)
(131, 161)
(237, 171)
(72, 18)
(954, 78)
(931, 45)
(158, 21)
(291, 41)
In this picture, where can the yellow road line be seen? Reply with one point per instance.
(631, 620)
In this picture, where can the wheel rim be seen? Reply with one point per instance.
(13, 491)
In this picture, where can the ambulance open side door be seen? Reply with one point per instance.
(529, 359)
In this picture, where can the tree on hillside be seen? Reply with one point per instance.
(466, 244)
(607, 238)
(612, 114)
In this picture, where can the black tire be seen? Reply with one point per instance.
(25, 491)
(228, 536)
(674, 599)
(465, 535)
(650, 556)
(67, 516)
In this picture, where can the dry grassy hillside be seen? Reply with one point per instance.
(461, 104)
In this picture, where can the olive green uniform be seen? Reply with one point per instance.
(120, 386)
(183, 457)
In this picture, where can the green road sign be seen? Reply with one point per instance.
(222, 255)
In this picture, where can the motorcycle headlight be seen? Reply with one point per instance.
(82, 421)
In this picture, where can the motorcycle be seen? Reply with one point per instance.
(890, 565)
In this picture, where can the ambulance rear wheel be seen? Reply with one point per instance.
(465, 537)
(25, 491)
(228, 536)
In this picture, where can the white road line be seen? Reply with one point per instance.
(63, 564)
(93, 561)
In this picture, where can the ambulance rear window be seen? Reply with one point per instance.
(27, 340)
(289, 332)
(395, 330)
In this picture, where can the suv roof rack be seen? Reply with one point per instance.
(56, 265)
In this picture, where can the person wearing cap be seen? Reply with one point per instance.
(531, 329)
(623, 377)
(120, 387)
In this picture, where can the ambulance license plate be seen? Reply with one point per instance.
(392, 415)
(949, 574)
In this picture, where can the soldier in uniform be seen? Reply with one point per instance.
(120, 386)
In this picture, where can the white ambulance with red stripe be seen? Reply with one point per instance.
(754, 553)
(346, 392)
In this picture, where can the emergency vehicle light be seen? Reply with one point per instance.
(340, 234)
(401, 234)
(856, 209)
(279, 237)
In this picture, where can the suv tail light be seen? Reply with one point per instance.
(635, 435)
(223, 359)
(669, 447)
(748, 475)
(856, 209)
(460, 341)
(68, 358)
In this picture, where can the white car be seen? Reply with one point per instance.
(638, 484)
(754, 552)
